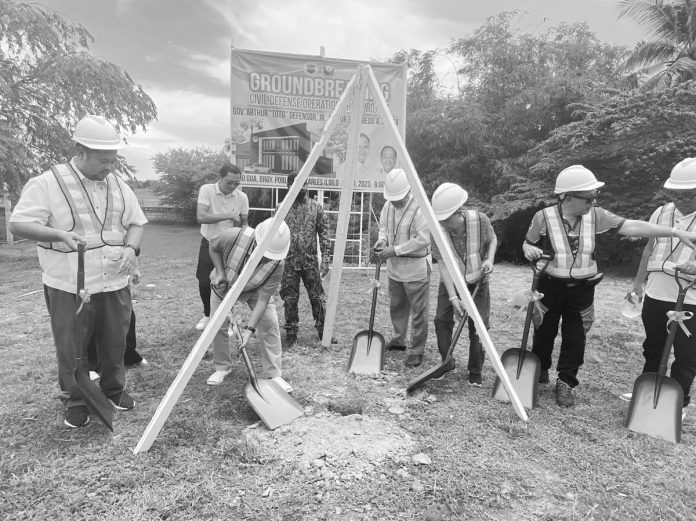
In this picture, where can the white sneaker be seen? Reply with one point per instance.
(202, 323)
(93, 375)
(285, 386)
(217, 377)
(626, 397)
(684, 412)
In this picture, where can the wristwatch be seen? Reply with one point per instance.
(252, 329)
(135, 249)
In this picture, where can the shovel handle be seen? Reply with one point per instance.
(462, 321)
(80, 270)
(374, 297)
(245, 357)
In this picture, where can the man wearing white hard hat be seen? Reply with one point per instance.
(404, 243)
(229, 252)
(568, 230)
(660, 256)
(473, 243)
(82, 201)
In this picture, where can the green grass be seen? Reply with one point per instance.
(207, 463)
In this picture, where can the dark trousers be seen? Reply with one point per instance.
(655, 323)
(573, 304)
(290, 293)
(205, 266)
(444, 324)
(107, 317)
(131, 356)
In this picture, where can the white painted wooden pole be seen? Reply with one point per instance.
(165, 407)
(447, 254)
(346, 202)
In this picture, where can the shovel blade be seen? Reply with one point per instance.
(95, 399)
(433, 372)
(527, 385)
(274, 406)
(664, 420)
(367, 354)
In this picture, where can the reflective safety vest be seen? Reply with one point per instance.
(471, 264)
(565, 264)
(399, 233)
(86, 222)
(669, 251)
(236, 256)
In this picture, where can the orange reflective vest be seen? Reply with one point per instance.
(565, 264)
(669, 251)
(86, 223)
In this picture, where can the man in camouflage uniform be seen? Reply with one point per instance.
(306, 220)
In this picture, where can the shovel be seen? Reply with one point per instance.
(437, 370)
(656, 404)
(96, 400)
(274, 406)
(523, 367)
(367, 354)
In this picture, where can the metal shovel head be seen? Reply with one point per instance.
(97, 402)
(274, 406)
(527, 385)
(367, 354)
(662, 421)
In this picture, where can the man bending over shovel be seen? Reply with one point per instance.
(229, 252)
(473, 243)
(569, 228)
(661, 291)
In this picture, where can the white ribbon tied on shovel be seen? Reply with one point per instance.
(84, 297)
(680, 317)
(374, 283)
(534, 296)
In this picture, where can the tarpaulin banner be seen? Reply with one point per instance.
(280, 104)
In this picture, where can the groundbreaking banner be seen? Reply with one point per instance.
(280, 104)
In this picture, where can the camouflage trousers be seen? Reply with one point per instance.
(290, 293)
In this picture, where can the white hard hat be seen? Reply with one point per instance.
(683, 176)
(96, 133)
(576, 178)
(396, 185)
(277, 248)
(447, 199)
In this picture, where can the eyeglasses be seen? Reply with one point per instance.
(587, 199)
(679, 195)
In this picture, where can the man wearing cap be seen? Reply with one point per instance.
(83, 202)
(568, 230)
(307, 221)
(229, 252)
(404, 243)
(473, 242)
(660, 257)
(221, 206)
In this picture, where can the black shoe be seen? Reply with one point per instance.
(475, 380)
(450, 366)
(414, 360)
(395, 347)
(123, 401)
(76, 416)
(564, 394)
(544, 376)
(321, 336)
(291, 341)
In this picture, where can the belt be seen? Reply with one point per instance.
(571, 283)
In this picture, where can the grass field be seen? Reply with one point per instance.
(351, 457)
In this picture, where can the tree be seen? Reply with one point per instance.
(671, 57)
(182, 171)
(48, 81)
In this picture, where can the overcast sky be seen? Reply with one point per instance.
(179, 50)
